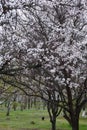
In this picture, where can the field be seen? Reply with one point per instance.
(32, 120)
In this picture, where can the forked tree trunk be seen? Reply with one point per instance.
(52, 119)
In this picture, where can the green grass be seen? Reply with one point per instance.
(23, 119)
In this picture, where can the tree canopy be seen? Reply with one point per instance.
(43, 47)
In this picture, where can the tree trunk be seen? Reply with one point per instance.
(75, 125)
(8, 112)
(8, 109)
(35, 102)
(73, 120)
(29, 106)
(54, 125)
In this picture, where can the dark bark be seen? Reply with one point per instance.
(29, 103)
(75, 125)
(8, 112)
(53, 122)
(52, 115)
(73, 120)
(8, 109)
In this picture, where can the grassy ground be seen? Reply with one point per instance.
(31, 119)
